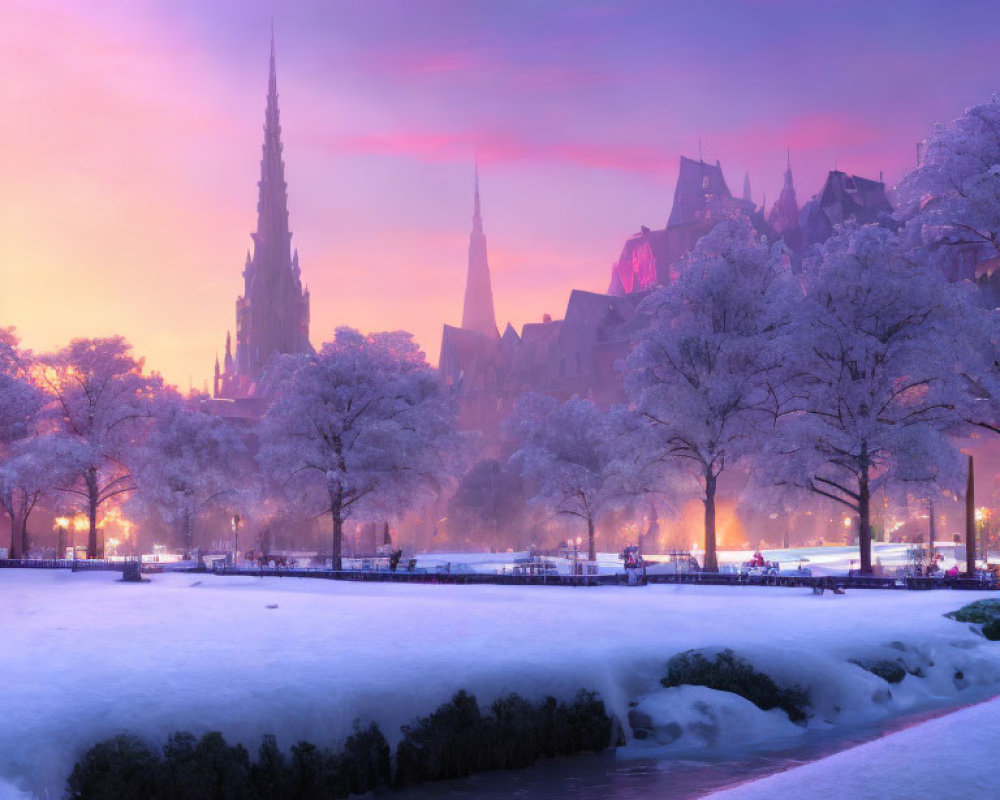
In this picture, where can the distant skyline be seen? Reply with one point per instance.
(130, 151)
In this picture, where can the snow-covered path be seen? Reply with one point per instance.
(83, 656)
(951, 757)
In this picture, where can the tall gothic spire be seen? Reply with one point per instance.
(272, 315)
(272, 203)
(477, 313)
(746, 188)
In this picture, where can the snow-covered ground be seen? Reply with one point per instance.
(825, 560)
(84, 656)
(951, 757)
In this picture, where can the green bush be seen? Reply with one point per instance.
(889, 671)
(447, 744)
(205, 769)
(270, 775)
(120, 768)
(454, 741)
(979, 612)
(363, 763)
(991, 630)
(457, 740)
(729, 673)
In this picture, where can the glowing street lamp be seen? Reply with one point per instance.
(62, 523)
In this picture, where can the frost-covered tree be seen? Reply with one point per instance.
(103, 402)
(35, 466)
(567, 455)
(189, 463)
(363, 428)
(706, 373)
(878, 368)
(490, 498)
(952, 199)
(21, 404)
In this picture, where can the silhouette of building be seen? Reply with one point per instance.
(843, 197)
(272, 314)
(582, 353)
(701, 199)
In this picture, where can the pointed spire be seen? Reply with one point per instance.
(272, 203)
(746, 188)
(477, 313)
(477, 216)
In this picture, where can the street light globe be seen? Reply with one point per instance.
(62, 522)
(847, 522)
(980, 514)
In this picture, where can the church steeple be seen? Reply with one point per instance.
(272, 315)
(477, 313)
(272, 203)
(746, 188)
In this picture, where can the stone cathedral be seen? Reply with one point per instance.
(272, 314)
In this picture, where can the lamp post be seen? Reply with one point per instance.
(848, 523)
(80, 524)
(236, 537)
(62, 524)
(982, 516)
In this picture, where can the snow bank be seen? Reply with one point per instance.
(950, 757)
(85, 656)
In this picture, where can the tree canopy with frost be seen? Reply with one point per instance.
(189, 463)
(952, 199)
(707, 372)
(568, 455)
(362, 428)
(877, 363)
(21, 404)
(490, 499)
(103, 401)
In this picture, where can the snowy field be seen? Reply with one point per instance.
(85, 656)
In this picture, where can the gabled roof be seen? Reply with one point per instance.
(699, 187)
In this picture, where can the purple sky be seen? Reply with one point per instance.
(132, 138)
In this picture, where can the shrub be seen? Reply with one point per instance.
(447, 744)
(205, 769)
(270, 775)
(729, 673)
(515, 737)
(991, 630)
(980, 612)
(457, 739)
(314, 773)
(120, 768)
(364, 761)
(889, 671)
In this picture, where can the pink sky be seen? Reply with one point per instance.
(129, 152)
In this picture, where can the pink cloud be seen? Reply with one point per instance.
(497, 147)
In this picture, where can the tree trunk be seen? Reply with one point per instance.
(93, 497)
(24, 533)
(337, 514)
(930, 528)
(16, 538)
(591, 547)
(970, 522)
(864, 523)
(711, 559)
